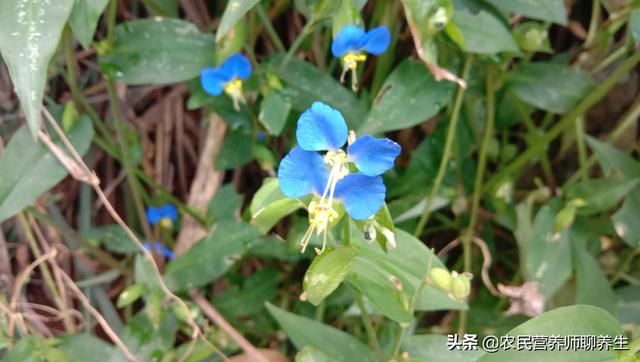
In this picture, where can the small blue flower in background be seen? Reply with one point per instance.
(166, 252)
(164, 215)
(351, 44)
(228, 78)
(304, 171)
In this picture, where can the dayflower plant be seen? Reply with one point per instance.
(330, 177)
(228, 78)
(164, 215)
(352, 43)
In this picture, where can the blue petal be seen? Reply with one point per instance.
(212, 81)
(361, 195)
(168, 253)
(376, 40)
(237, 66)
(347, 39)
(147, 245)
(302, 172)
(373, 156)
(321, 128)
(169, 211)
(153, 215)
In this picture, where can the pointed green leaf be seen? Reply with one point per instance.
(232, 13)
(483, 33)
(29, 34)
(549, 10)
(84, 19)
(269, 205)
(38, 169)
(336, 344)
(326, 273)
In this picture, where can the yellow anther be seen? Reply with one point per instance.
(233, 87)
(352, 59)
(165, 222)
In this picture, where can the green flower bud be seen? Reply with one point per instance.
(565, 218)
(461, 287)
(441, 278)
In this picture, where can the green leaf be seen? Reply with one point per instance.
(592, 286)
(634, 25)
(326, 273)
(408, 262)
(274, 110)
(85, 347)
(573, 320)
(545, 256)
(159, 51)
(162, 7)
(235, 151)
(336, 344)
(225, 204)
(84, 19)
(113, 237)
(483, 33)
(269, 205)
(548, 10)
(311, 354)
(629, 304)
(307, 84)
(258, 288)
(409, 96)
(210, 257)
(35, 349)
(29, 34)
(232, 13)
(600, 194)
(28, 169)
(381, 289)
(625, 220)
(131, 294)
(613, 161)
(433, 348)
(553, 87)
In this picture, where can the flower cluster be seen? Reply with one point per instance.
(228, 78)
(352, 43)
(331, 177)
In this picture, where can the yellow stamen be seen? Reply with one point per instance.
(352, 59)
(233, 87)
(165, 222)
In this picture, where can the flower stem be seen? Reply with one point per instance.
(262, 14)
(565, 122)
(368, 326)
(477, 194)
(451, 132)
(306, 30)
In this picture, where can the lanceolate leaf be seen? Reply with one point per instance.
(158, 51)
(84, 19)
(29, 169)
(232, 13)
(338, 345)
(29, 34)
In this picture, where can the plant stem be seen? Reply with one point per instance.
(565, 122)
(582, 150)
(451, 133)
(368, 326)
(46, 272)
(111, 21)
(306, 30)
(273, 35)
(477, 188)
(593, 23)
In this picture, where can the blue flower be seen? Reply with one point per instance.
(166, 252)
(228, 77)
(164, 215)
(353, 42)
(304, 171)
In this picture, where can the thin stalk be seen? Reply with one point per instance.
(46, 272)
(128, 166)
(111, 21)
(582, 150)
(477, 194)
(273, 35)
(593, 24)
(368, 326)
(306, 30)
(451, 132)
(565, 122)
